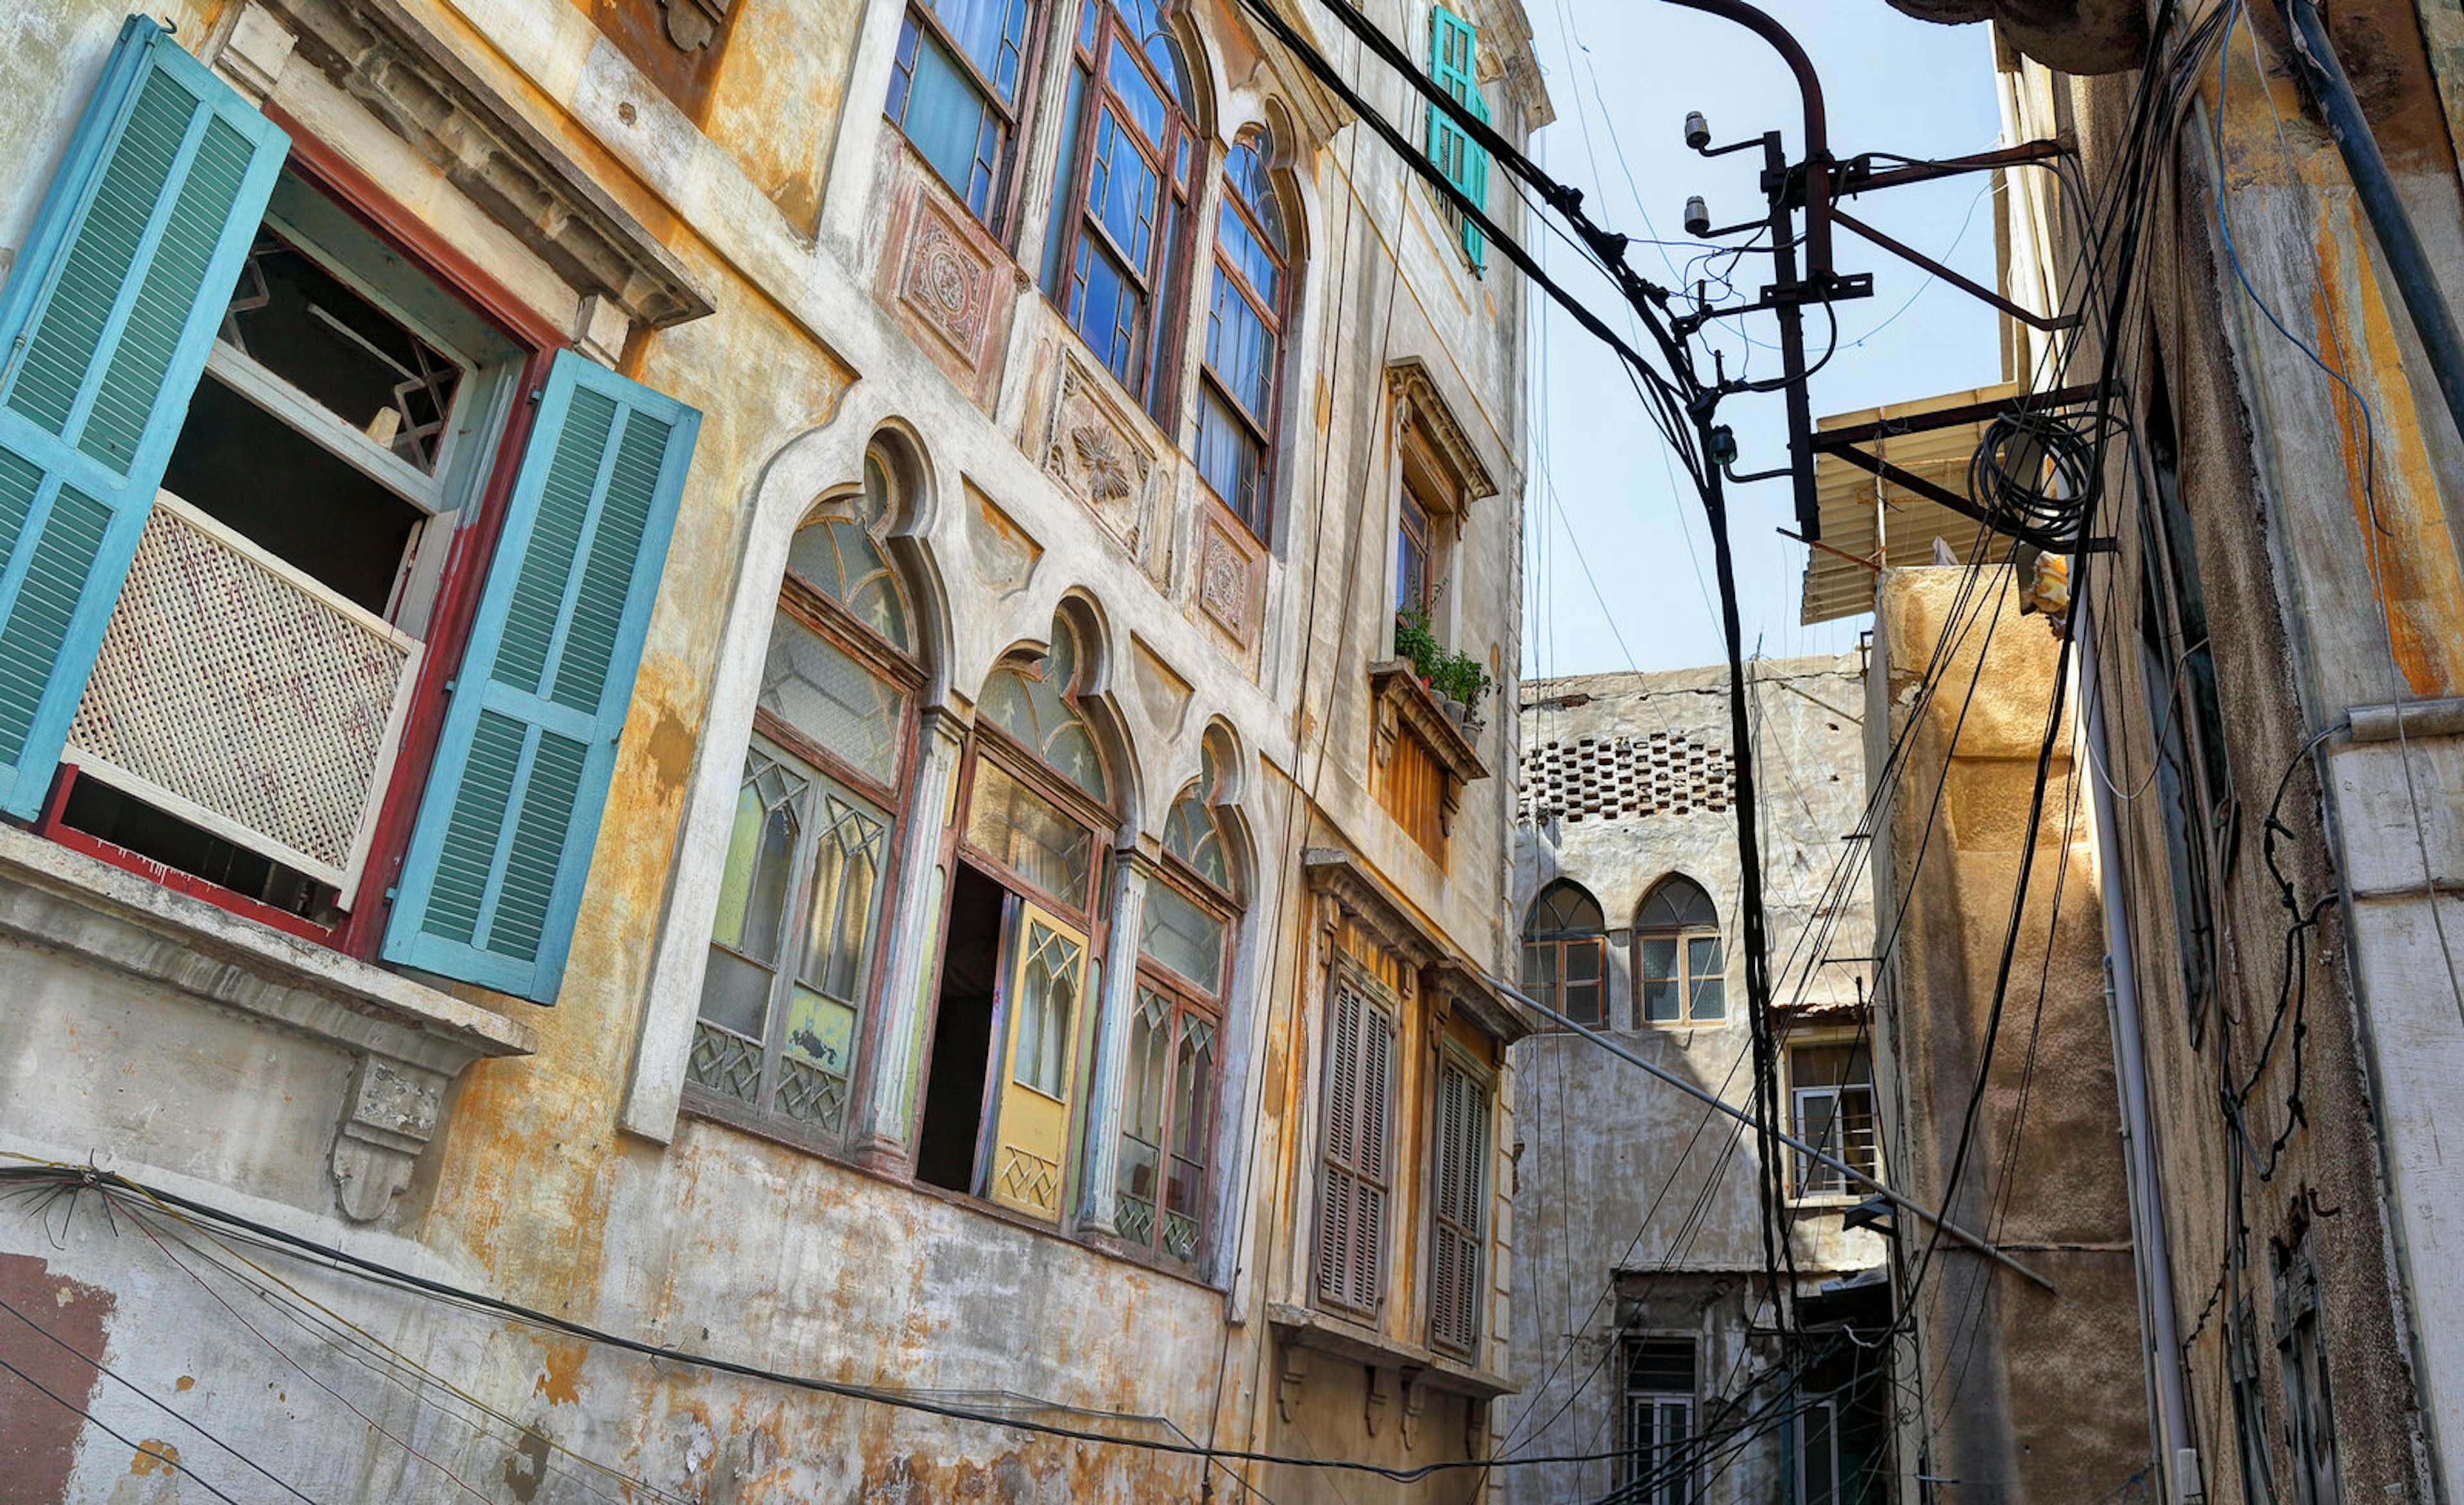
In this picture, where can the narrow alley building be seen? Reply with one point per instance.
(710, 788)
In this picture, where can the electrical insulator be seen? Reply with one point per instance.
(1697, 130)
(1697, 216)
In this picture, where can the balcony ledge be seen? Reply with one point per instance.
(1338, 1338)
(408, 1041)
(1402, 700)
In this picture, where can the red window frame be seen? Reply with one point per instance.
(463, 578)
(1266, 427)
(1154, 345)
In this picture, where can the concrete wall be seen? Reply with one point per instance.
(2029, 1391)
(2326, 550)
(548, 1156)
(1637, 1208)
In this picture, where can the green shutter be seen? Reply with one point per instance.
(494, 870)
(1454, 53)
(105, 327)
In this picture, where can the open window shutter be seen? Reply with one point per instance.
(494, 870)
(105, 327)
(1045, 980)
(1453, 54)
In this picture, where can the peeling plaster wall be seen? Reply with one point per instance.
(2046, 1396)
(2324, 593)
(558, 1172)
(1636, 1207)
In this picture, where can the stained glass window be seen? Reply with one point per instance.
(1036, 704)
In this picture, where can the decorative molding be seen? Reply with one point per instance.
(1380, 1397)
(420, 89)
(1298, 1328)
(1452, 984)
(407, 1042)
(1419, 407)
(1404, 704)
(1092, 450)
(947, 282)
(1416, 1399)
(1228, 578)
(1291, 1375)
(1338, 875)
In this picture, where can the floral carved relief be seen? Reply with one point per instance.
(1092, 452)
(1224, 583)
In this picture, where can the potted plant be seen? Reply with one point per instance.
(1458, 679)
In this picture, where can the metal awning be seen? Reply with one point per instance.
(1870, 523)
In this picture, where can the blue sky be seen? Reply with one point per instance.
(1604, 494)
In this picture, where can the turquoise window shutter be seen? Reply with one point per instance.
(105, 327)
(1454, 52)
(494, 874)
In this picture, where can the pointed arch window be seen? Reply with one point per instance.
(1245, 329)
(796, 942)
(1184, 964)
(1680, 965)
(1024, 927)
(1125, 179)
(955, 90)
(1565, 953)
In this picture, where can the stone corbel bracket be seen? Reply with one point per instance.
(408, 1042)
(379, 53)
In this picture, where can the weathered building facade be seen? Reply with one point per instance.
(2267, 661)
(1651, 1344)
(854, 551)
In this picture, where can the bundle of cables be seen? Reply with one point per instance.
(2035, 475)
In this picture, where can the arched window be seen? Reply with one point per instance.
(1129, 167)
(1022, 933)
(1185, 966)
(1680, 966)
(956, 92)
(1564, 953)
(800, 907)
(1245, 328)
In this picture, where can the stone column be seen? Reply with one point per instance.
(1120, 1004)
(880, 1141)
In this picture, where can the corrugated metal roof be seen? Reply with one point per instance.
(1873, 520)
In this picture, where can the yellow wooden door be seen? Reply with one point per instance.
(1046, 984)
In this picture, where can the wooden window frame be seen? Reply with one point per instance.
(1804, 1171)
(1001, 196)
(1445, 1223)
(1187, 1002)
(1265, 428)
(1379, 1008)
(814, 610)
(459, 581)
(1155, 346)
(1635, 1466)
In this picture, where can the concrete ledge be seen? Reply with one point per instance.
(1333, 1336)
(407, 1040)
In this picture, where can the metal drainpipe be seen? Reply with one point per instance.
(2407, 264)
(2150, 1250)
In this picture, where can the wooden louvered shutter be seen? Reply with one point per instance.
(1338, 1183)
(105, 327)
(1453, 51)
(1353, 1172)
(496, 860)
(1461, 1187)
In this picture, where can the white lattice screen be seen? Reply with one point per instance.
(1614, 778)
(240, 695)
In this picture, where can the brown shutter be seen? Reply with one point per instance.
(1462, 1187)
(1352, 1196)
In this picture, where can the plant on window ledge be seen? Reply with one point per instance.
(1457, 676)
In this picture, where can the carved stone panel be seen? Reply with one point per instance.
(945, 280)
(1095, 453)
(1005, 553)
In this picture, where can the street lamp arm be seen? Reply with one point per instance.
(1818, 133)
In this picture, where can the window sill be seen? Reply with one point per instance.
(408, 1041)
(1341, 1337)
(1403, 703)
